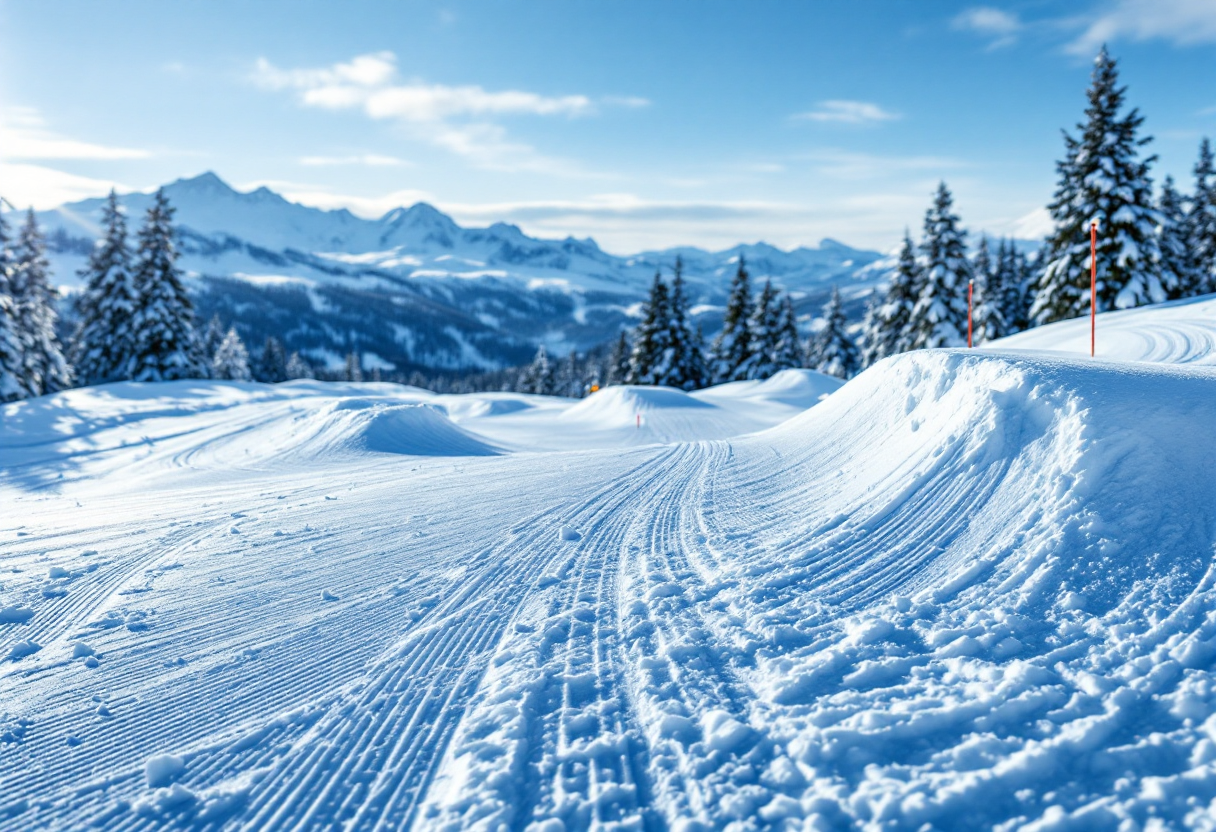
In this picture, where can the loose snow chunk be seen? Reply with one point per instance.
(568, 533)
(81, 650)
(22, 649)
(326, 595)
(162, 769)
(56, 572)
(15, 615)
(725, 733)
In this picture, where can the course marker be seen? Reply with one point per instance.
(970, 292)
(1093, 285)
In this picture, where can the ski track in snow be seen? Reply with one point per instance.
(968, 590)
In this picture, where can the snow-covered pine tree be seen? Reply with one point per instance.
(14, 384)
(731, 352)
(272, 363)
(1101, 178)
(832, 351)
(939, 318)
(166, 347)
(231, 360)
(1202, 217)
(885, 329)
(104, 341)
(789, 351)
(1181, 274)
(618, 361)
(1014, 305)
(353, 370)
(212, 338)
(567, 381)
(537, 377)
(34, 309)
(297, 367)
(651, 356)
(687, 370)
(989, 297)
(765, 329)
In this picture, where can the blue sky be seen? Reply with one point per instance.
(642, 124)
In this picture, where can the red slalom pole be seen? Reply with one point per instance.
(1093, 285)
(970, 292)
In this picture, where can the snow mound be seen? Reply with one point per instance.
(796, 388)
(370, 426)
(620, 404)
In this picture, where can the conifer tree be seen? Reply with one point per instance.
(650, 358)
(231, 360)
(272, 363)
(989, 297)
(537, 377)
(831, 350)
(1181, 274)
(567, 381)
(34, 309)
(104, 342)
(1201, 220)
(939, 318)
(297, 367)
(165, 344)
(1102, 178)
(765, 329)
(1010, 273)
(885, 329)
(789, 351)
(212, 338)
(732, 349)
(353, 371)
(618, 361)
(687, 370)
(14, 383)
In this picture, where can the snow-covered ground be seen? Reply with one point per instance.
(967, 590)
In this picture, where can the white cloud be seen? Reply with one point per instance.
(24, 135)
(1183, 22)
(41, 187)
(851, 165)
(373, 160)
(848, 112)
(456, 118)
(995, 23)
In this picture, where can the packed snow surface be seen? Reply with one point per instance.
(967, 590)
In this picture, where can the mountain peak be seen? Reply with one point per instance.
(204, 182)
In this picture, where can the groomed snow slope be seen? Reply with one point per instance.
(967, 591)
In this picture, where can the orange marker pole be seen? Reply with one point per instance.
(1093, 285)
(970, 292)
(639, 421)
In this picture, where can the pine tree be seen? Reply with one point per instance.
(165, 344)
(989, 297)
(1011, 274)
(939, 318)
(831, 350)
(731, 352)
(538, 376)
(1181, 273)
(34, 310)
(567, 381)
(1101, 178)
(272, 363)
(353, 371)
(687, 370)
(618, 361)
(765, 329)
(104, 341)
(1201, 220)
(231, 361)
(789, 352)
(14, 383)
(297, 367)
(651, 356)
(885, 329)
(212, 338)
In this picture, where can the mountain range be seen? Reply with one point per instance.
(415, 290)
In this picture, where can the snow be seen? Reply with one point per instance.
(965, 590)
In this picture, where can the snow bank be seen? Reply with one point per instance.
(619, 405)
(796, 388)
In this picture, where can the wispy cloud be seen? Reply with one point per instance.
(852, 165)
(1183, 22)
(373, 160)
(848, 112)
(1003, 27)
(455, 118)
(41, 187)
(24, 135)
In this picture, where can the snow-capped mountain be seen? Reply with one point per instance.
(415, 289)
